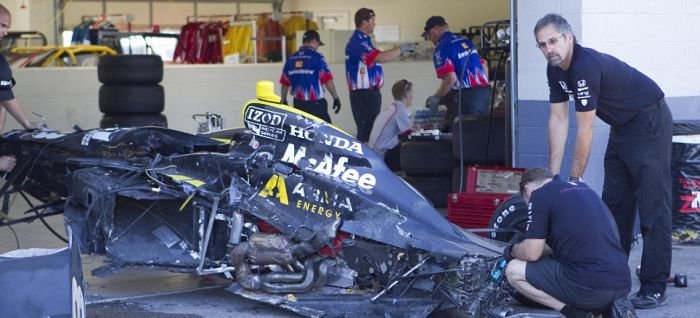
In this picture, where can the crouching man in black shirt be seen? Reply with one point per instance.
(570, 259)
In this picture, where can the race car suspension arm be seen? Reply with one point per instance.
(30, 218)
(205, 243)
(390, 286)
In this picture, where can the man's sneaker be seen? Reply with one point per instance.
(648, 300)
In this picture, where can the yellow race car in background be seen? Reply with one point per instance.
(53, 55)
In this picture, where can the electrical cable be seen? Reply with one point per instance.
(15, 234)
(41, 218)
(493, 101)
(459, 114)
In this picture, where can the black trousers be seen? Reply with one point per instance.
(475, 100)
(638, 178)
(318, 108)
(392, 158)
(365, 105)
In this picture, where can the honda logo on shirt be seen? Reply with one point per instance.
(581, 83)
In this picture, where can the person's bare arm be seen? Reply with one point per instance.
(446, 83)
(547, 250)
(285, 91)
(584, 139)
(17, 112)
(330, 86)
(558, 131)
(388, 55)
(529, 250)
(7, 163)
(3, 117)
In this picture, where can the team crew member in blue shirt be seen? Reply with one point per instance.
(638, 154)
(304, 73)
(364, 72)
(460, 70)
(570, 259)
(8, 102)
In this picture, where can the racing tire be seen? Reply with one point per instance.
(130, 69)
(510, 215)
(476, 146)
(112, 121)
(426, 157)
(131, 99)
(435, 189)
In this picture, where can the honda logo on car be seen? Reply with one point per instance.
(265, 123)
(328, 140)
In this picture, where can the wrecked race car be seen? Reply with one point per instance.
(296, 212)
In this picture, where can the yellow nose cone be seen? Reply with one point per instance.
(265, 90)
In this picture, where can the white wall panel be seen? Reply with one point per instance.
(190, 89)
(410, 15)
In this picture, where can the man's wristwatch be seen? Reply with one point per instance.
(575, 179)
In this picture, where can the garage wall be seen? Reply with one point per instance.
(410, 15)
(661, 39)
(222, 89)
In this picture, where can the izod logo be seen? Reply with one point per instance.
(265, 123)
(265, 117)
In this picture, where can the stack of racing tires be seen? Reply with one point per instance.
(432, 165)
(478, 140)
(131, 94)
(427, 165)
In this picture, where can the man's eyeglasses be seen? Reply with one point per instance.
(551, 42)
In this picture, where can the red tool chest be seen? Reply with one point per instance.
(486, 188)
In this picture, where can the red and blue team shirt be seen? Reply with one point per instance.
(450, 55)
(304, 72)
(361, 69)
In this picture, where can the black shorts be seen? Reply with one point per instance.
(547, 275)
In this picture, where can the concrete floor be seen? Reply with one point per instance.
(145, 293)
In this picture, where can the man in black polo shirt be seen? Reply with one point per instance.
(637, 158)
(570, 259)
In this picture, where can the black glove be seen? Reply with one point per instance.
(336, 105)
(432, 102)
(507, 253)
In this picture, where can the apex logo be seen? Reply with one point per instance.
(691, 203)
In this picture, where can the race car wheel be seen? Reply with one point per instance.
(131, 99)
(510, 215)
(426, 157)
(110, 121)
(130, 69)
